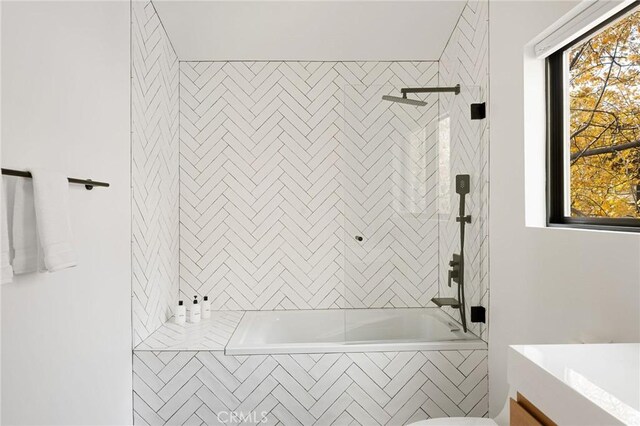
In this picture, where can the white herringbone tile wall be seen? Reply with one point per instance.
(154, 172)
(281, 162)
(389, 161)
(465, 61)
(374, 388)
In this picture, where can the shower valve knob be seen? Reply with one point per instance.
(452, 275)
(359, 238)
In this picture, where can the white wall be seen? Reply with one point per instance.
(0, 214)
(66, 336)
(547, 285)
(309, 30)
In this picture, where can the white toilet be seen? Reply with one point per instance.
(502, 419)
(456, 421)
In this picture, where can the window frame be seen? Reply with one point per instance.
(554, 77)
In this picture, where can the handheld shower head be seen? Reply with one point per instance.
(463, 184)
(404, 100)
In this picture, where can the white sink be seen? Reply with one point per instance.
(580, 384)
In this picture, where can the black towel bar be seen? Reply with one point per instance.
(88, 183)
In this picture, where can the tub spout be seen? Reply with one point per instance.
(453, 327)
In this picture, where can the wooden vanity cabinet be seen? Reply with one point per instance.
(524, 413)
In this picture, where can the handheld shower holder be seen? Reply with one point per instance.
(465, 219)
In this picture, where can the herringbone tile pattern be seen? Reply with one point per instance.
(393, 388)
(389, 169)
(282, 162)
(465, 61)
(154, 172)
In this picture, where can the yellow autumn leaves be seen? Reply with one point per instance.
(604, 128)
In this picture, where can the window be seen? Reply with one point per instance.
(593, 97)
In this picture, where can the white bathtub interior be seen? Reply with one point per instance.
(348, 330)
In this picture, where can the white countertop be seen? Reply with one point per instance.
(595, 384)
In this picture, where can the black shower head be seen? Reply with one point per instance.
(462, 184)
(404, 100)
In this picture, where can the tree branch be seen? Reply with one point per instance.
(586, 125)
(606, 150)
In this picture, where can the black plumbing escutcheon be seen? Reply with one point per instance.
(359, 238)
(478, 314)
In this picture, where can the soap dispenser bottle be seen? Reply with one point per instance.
(194, 313)
(206, 308)
(181, 313)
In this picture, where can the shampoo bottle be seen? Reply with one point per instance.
(194, 313)
(181, 313)
(206, 308)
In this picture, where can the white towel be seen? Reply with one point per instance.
(51, 199)
(7, 270)
(25, 235)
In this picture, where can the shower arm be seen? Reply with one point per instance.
(455, 89)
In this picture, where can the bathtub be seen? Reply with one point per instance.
(349, 330)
